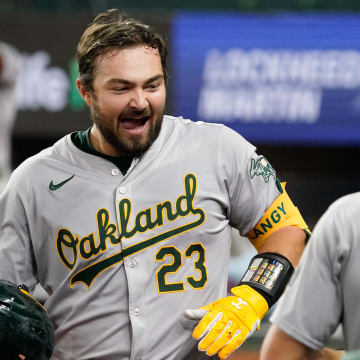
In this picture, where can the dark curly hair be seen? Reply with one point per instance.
(111, 30)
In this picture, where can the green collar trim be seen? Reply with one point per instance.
(81, 140)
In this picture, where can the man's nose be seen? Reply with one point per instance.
(138, 100)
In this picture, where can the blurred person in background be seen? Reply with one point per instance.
(323, 293)
(9, 68)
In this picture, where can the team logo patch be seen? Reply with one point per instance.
(261, 167)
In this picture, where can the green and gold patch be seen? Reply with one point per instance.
(261, 167)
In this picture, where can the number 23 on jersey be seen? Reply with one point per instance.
(194, 252)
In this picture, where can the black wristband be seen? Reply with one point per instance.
(268, 273)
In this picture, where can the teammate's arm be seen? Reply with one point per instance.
(280, 346)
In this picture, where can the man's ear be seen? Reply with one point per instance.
(85, 93)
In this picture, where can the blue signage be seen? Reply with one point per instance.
(284, 79)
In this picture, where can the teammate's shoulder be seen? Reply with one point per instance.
(343, 212)
(347, 203)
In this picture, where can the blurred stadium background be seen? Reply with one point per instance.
(285, 74)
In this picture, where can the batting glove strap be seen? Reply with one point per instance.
(268, 274)
(254, 299)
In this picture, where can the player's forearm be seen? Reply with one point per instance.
(270, 270)
(277, 345)
(327, 354)
(288, 241)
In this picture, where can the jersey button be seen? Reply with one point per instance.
(132, 263)
(115, 172)
(122, 190)
(137, 312)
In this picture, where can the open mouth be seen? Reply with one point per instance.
(134, 124)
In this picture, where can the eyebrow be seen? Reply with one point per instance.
(127, 82)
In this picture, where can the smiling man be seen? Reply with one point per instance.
(128, 225)
(127, 100)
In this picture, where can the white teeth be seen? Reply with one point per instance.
(136, 119)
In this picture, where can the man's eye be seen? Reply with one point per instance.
(153, 86)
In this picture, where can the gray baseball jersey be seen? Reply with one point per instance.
(324, 290)
(122, 257)
(8, 75)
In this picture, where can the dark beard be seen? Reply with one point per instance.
(137, 146)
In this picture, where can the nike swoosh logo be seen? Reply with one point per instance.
(54, 187)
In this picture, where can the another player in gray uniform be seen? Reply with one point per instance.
(127, 225)
(324, 291)
(9, 68)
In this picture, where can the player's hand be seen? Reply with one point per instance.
(226, 323)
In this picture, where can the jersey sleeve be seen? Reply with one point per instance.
(249, 179)
(16, 254)
(310, 309)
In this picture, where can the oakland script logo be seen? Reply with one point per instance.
(71, 247)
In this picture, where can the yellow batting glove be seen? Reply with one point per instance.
(226, 323)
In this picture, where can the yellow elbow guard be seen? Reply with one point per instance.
(282, 212)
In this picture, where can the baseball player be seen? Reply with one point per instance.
(9, 68)
(127, 225)
(323, 292)
(26, 332)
